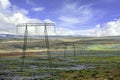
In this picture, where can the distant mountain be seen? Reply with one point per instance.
(7, 35)
(35, 36)
(3, 36)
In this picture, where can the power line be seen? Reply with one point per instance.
(26, 25)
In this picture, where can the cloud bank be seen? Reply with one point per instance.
(111, 28)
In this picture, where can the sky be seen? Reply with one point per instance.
(71, 17)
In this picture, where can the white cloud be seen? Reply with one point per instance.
(16, 9)
(38, 9)
(73, 14)
(48, 21)
(64, 32)
(5, 3)
(111, 28)
(11, 15)
(71, 20)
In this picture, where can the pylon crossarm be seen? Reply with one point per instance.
(26, 25)
(36, 24)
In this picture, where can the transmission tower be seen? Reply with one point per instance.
(65, 50)
(74, 48)
(26, 25)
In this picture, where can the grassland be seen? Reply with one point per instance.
(96, 59)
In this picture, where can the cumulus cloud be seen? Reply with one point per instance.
(5, 4)
(71, 14)
(11, 15)
(111, 28)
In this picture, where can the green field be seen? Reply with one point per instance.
(88, 59)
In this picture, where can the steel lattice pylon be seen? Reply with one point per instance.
(26, 25)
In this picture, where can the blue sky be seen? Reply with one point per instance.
(78, 17)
